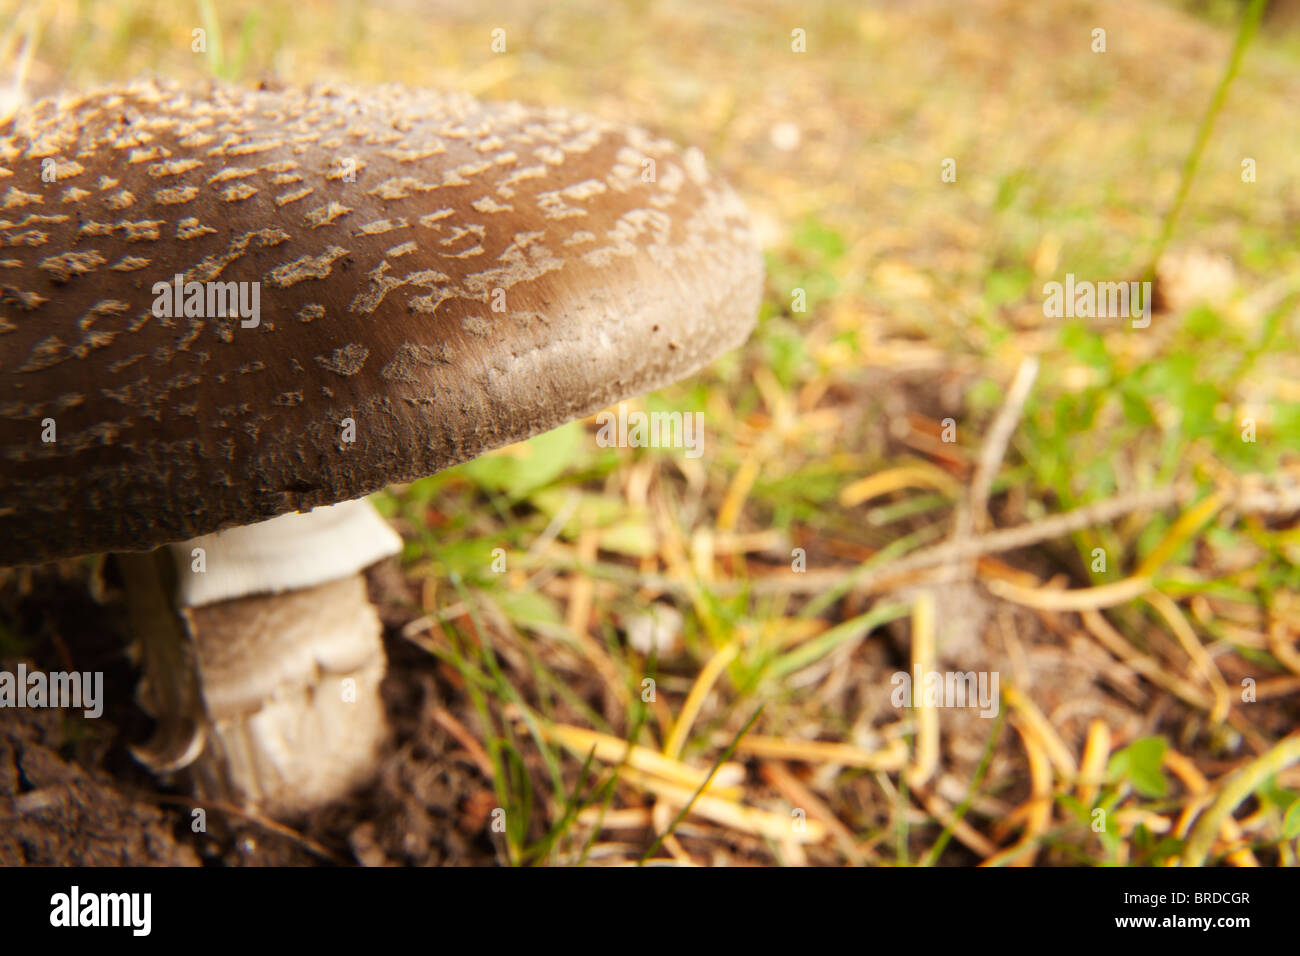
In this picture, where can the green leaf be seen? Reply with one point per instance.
(986, 395)
(1203, 322)
(471, 559)
(1085, 345)
(1198, 404)
(785, 351)
(531, 610)
(820, 239)
(534, 464)
(1009, 187)
(1270, 792)
(632, 538)
(589, 510)
(1140, 763)
(1291, 823)
(1007, 285)
(1286, 424)
(1135, 408)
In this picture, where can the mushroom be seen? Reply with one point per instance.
(228, 315)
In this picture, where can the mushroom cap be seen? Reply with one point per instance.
(445, 275)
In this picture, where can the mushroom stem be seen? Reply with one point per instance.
(291, 688)
(262, 658)
(169, 688)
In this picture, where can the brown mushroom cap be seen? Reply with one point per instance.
(376, 295)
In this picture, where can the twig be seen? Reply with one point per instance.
(799, 795)
(706, 803)
(704, 681)
(1074, 599)
(1241, 784)
(996, 441)
(890, 757)
(1245, 32)
(1200, 657)
(926, 756)
(447, 721)
(1007, 539)
(1139, 663)
(265, 823)
(1282, 498)
(1038, 806)
(972, 512)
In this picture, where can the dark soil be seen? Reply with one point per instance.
(72, 795)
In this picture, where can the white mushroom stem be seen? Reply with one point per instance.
(291, 687)
(262, 657)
